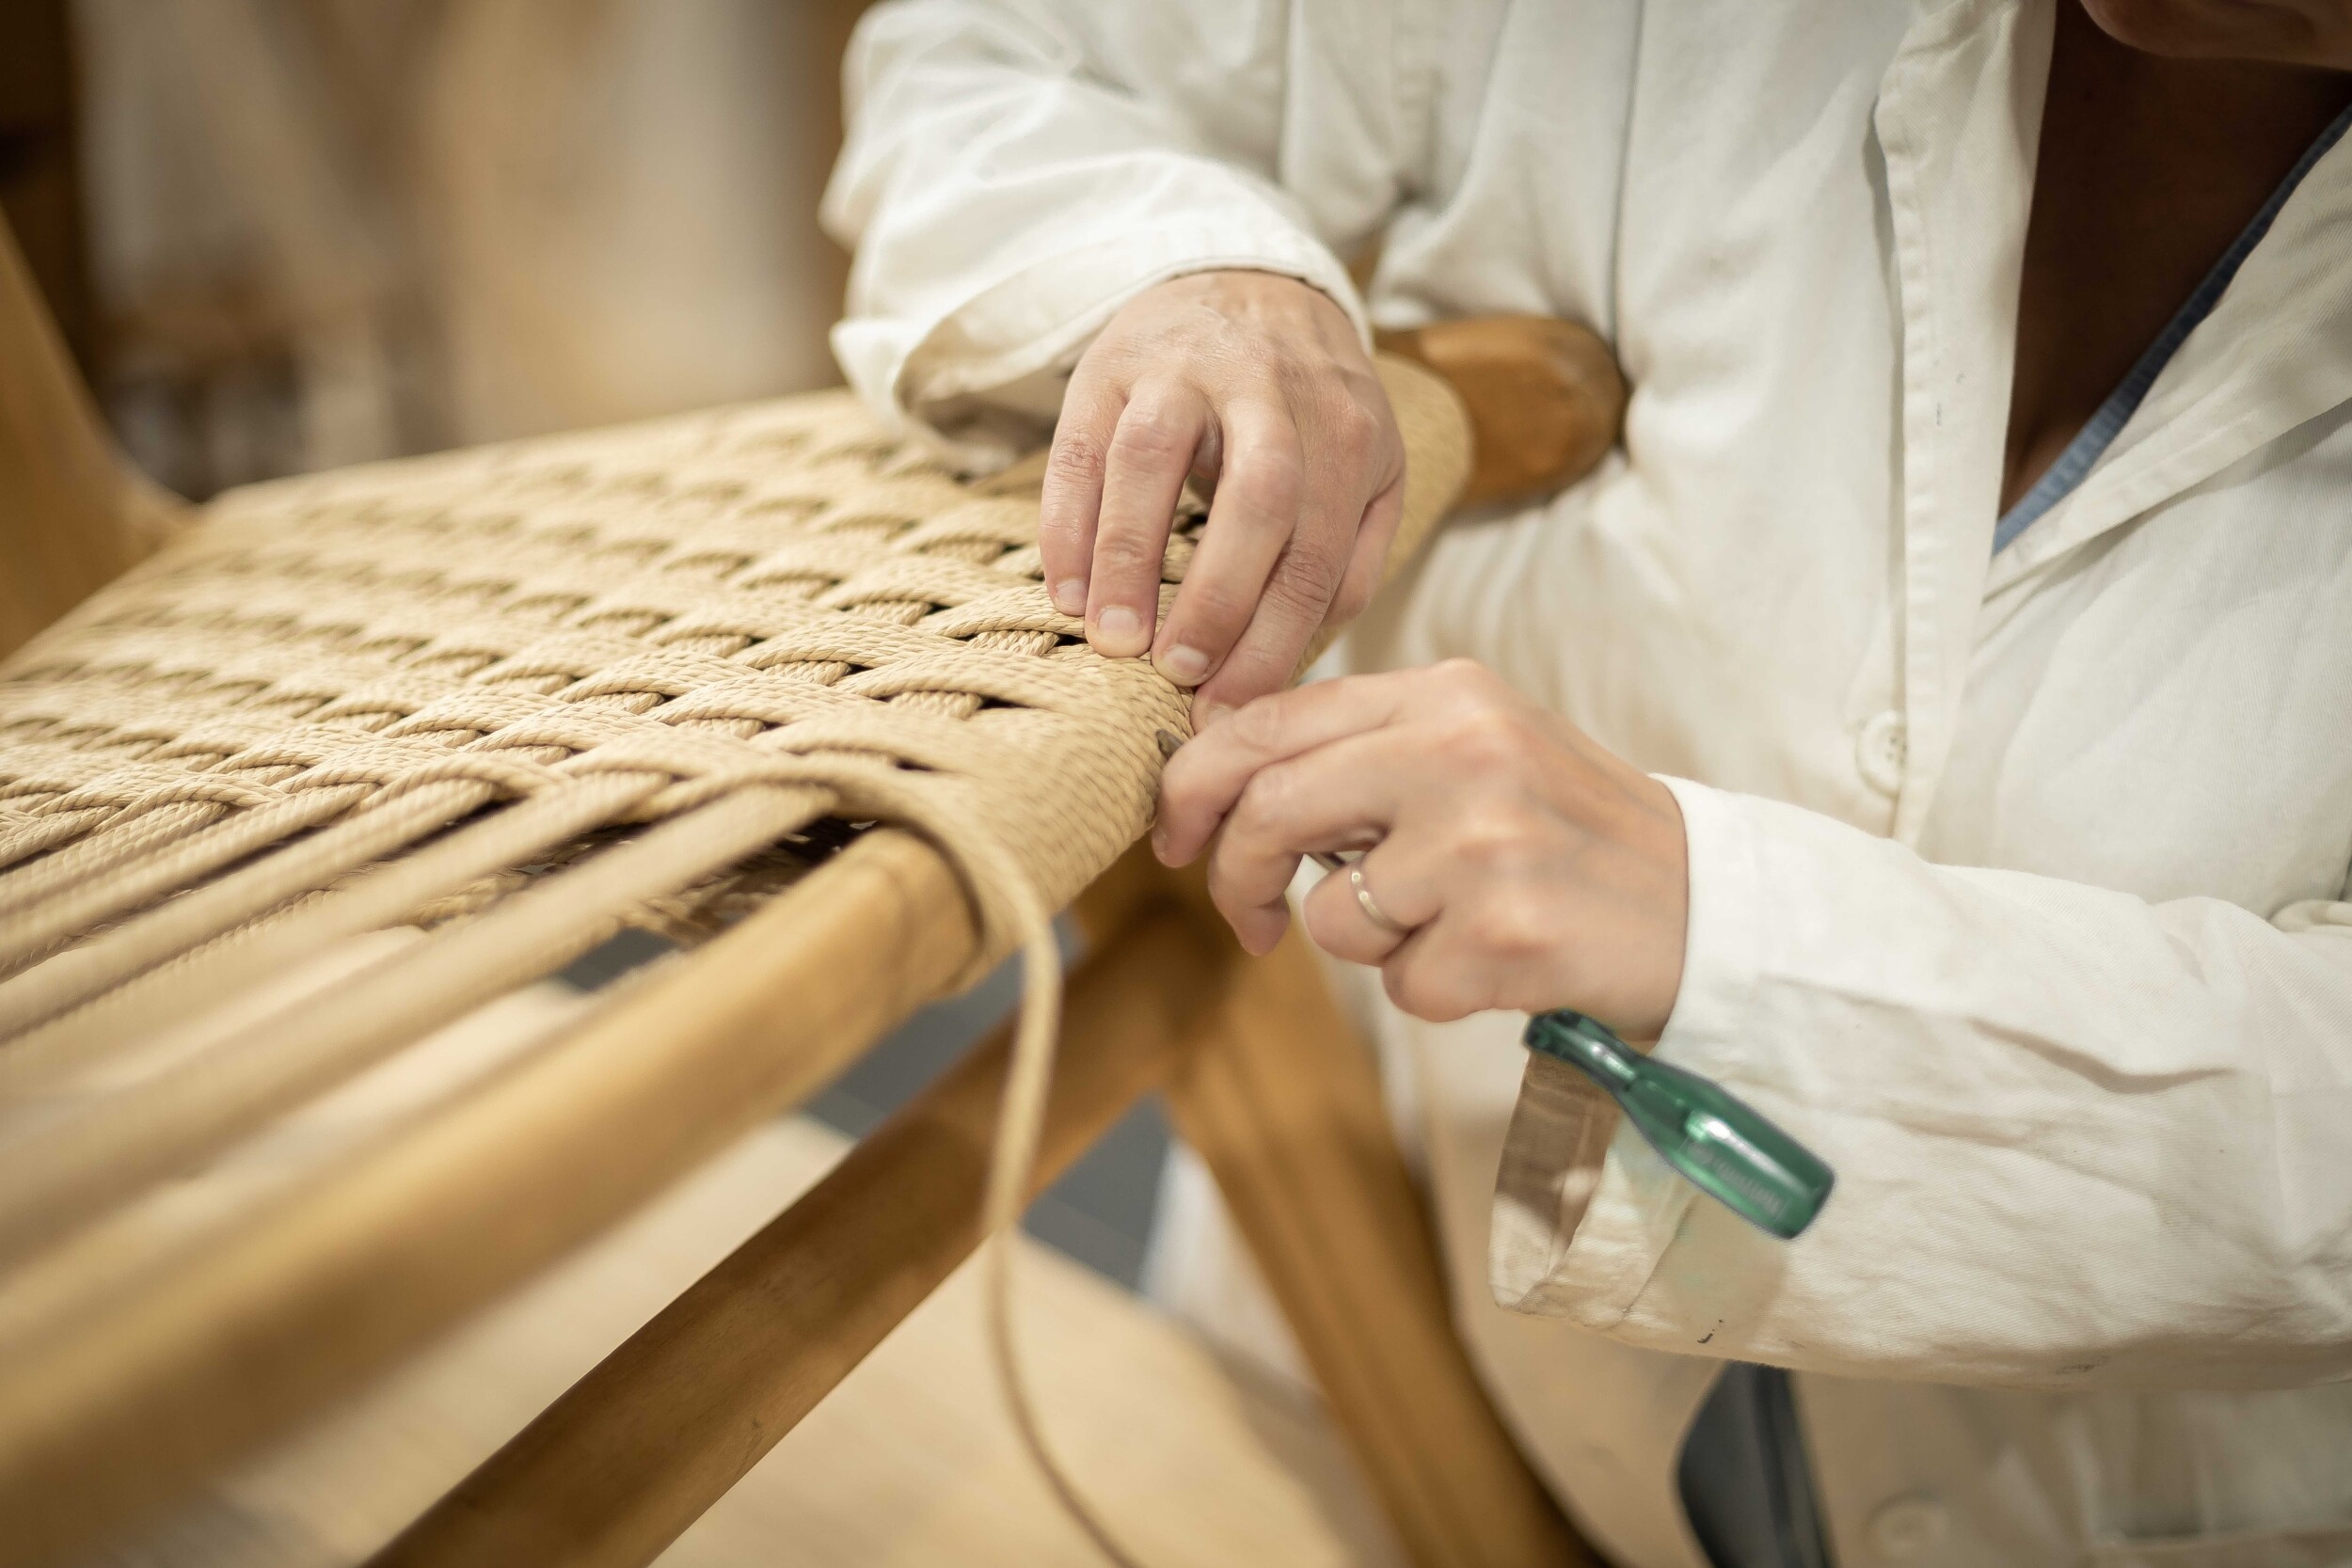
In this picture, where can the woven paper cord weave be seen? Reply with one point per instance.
(343, 700)
(732, 623)
(517, 695)
(699, 602)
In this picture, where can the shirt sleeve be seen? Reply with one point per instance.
(2080, 1139)
(1017, 169)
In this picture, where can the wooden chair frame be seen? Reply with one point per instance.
(1262, 1073)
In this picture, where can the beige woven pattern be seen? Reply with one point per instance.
(516, 696)
(732, 624)
(397, 682)
(687, 605)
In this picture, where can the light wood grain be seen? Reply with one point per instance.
(1282, 1102)
(911, 1463)
(635, 1453)
(133, 1399)
(1545, 397)
(1196, 1468)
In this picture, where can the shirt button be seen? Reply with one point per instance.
(1879, 752)
(1907, 1526)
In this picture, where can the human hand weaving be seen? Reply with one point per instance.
(1524, 868)
(1258, 384)
(1807, 539)
(1876, 729)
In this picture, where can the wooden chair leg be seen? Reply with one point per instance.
(1268, 1080)
(1283, 1103)
(618, 1467)
(113, 1401)
(1262, 1074)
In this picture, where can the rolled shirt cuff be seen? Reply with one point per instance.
(984, 377)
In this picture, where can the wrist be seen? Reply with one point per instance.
(1668, 851)
(1271, 294)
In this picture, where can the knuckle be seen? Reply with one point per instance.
(1222, 893)
(1293, 600)
(1355, 432)
(1489, 835)
(1491, 737)
(1269, 799)
(1306, 583)
(1258, 726)
(1154, 430)
(1465, 677)
(1127, 553)
(1214, 609)
(1077, 458)
(1512, 926)
(1270, 477)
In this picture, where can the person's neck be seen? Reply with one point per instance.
(2149, 168)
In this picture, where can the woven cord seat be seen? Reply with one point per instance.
(295, 812)
(342, 704)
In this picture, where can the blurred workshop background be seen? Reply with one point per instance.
(282, 235)
(290, 234)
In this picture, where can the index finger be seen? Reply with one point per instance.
(1250, 519)
(1204, 778)
(1072, 497)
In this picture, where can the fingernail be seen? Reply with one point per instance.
(1159, 844)
(1119, 632)
(1070, 595)
(1205, 713)
(1184, 665)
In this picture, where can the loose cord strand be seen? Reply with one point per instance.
(1012, 1157)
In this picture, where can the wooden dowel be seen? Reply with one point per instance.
(615, 1470)
(1544, 397)
(124, 1403)
(104, 1153)
(1283, 1104)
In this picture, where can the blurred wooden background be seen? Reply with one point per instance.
(40, 164)
(290, 234)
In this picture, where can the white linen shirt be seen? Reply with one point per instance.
(2018, 885)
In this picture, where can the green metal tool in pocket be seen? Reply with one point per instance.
(1726, 1148)
(1723, 1146)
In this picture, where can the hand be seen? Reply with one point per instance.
(1531, 868)
(1254, 383)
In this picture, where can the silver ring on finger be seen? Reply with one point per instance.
(1371, 906)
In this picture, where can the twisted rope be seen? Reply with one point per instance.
(343, 701)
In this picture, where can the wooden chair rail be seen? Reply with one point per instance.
(135, 1395)
(615, 1470)
(125, 1397)
(1266, 1079)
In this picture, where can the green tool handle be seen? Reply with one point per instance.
(1726, 1147)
